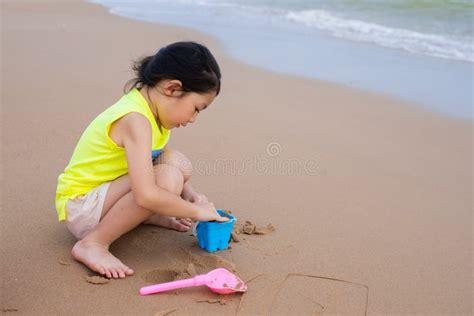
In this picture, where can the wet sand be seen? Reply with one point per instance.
(360, 187)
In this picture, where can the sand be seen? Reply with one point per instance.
(360, 187)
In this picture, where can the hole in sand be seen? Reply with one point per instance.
(160, 276)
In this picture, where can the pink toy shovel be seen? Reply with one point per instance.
(219, 280)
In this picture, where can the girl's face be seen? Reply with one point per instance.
(176, 108)
(184, 109)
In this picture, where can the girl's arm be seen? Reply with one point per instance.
(136, 135)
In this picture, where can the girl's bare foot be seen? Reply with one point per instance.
(98, 258)
(182, 225)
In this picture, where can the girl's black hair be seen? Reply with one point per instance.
(189, 62)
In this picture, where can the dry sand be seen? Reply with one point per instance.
(385, 200)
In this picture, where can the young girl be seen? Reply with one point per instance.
(122, 173)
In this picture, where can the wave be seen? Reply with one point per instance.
(411, 41)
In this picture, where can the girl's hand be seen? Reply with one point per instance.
(207, 213)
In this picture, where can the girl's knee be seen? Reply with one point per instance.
(169, 178)
(179, 160)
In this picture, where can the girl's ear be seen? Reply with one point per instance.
(173, 88)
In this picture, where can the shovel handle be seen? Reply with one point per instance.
(163, 287)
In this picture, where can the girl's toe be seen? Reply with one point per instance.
(121, 273)
(99, 269)
(108, 274)
(186, 222)
(183, 228)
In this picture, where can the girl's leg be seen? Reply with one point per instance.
(121, 217)
(177, 159)
(121, 186)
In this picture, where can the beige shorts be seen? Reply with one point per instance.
(84, 211)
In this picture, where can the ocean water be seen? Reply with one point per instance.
(417, 50)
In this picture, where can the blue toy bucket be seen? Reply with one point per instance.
(213, 236)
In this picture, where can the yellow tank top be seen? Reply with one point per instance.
(97, 158)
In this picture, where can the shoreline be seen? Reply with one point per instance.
(389, 206)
